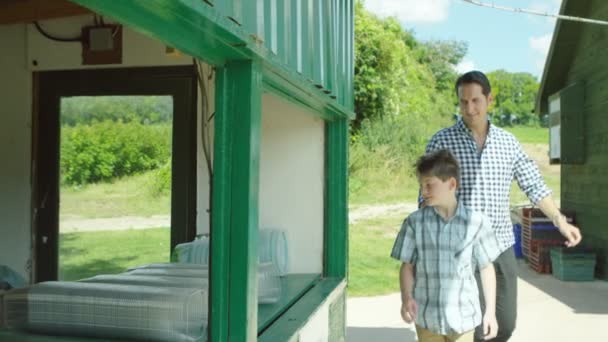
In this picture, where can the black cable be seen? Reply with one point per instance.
(58, 39)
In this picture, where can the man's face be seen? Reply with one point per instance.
(473, 104)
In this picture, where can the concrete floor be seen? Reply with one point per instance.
(548, 310)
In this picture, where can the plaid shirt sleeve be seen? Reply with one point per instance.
(528, 177)
(485, 248)
(404, 248)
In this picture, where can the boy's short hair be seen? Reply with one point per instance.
(441, 164)
(474, 77)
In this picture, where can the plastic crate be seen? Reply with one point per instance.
(538, 258)
(545, 231)
(517, 247)
(574, 264)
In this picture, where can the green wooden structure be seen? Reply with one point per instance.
(302, 52)
(573, 88)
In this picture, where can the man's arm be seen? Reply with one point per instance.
(409, 307)
(488, 283)
(531, 182)
(570, 232)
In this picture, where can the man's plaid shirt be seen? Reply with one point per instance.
(446, 254)
(486, 177)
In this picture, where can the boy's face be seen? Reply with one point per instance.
(435, 191)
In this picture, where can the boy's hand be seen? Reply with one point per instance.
(409, 310)
(490, 327)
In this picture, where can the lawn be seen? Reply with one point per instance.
(85, 254)
(371, 270)
(530, 135)
(129, 196)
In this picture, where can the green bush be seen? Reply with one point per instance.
(108, 150)
(160, 180)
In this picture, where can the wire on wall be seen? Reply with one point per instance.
(205, 75)
(528, 11)
(58, 39)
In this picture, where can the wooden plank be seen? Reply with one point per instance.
(26, 11)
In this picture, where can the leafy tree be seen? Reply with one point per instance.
(514, 97)
(441, 57)
(91, 109)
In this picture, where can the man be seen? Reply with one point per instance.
(490, 158)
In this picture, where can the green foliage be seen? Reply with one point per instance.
(440, 57)
(514, 98)
(107, 150)
(403, 94)
(160, 182)
(142, 109)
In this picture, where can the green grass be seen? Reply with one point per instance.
(530, 135)
(372, 271)
(379, 186)
(129, 196)
(86, 254)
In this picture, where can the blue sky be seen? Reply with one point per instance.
(496, 39)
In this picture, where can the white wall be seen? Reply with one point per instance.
(292, 180)
(21, 46)
(15, 147)
(316, 329)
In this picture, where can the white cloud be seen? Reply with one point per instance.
(464, 66)
(540, 45)
(411, 11)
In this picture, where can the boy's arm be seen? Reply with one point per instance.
(409, 307)
(488, 283)
(406, 281)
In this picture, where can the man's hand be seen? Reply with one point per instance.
(409, 310)
(570, 232)
(490, 326)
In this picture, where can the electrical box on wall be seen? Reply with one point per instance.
(102, 44)
(567, 125)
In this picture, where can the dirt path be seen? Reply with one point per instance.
(362, 212)
(114, 223)
(135, 222)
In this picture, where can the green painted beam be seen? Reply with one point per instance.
(306, 97)
(336, 199)
(192, 27)
(245, 96)
(221, 216)
(200, 30)
(234, 231)
(293, 287)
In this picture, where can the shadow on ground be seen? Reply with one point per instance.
(364, 334)
(587, 297)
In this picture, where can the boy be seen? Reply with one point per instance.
(440, 246)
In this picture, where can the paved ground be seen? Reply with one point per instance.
(549, 310)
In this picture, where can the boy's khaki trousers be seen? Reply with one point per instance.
(425, 335)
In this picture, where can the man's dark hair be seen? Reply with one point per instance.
(474, 77)
(441, 164)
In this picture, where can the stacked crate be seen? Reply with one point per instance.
(538, 236)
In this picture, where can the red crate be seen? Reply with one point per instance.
(538, 254)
